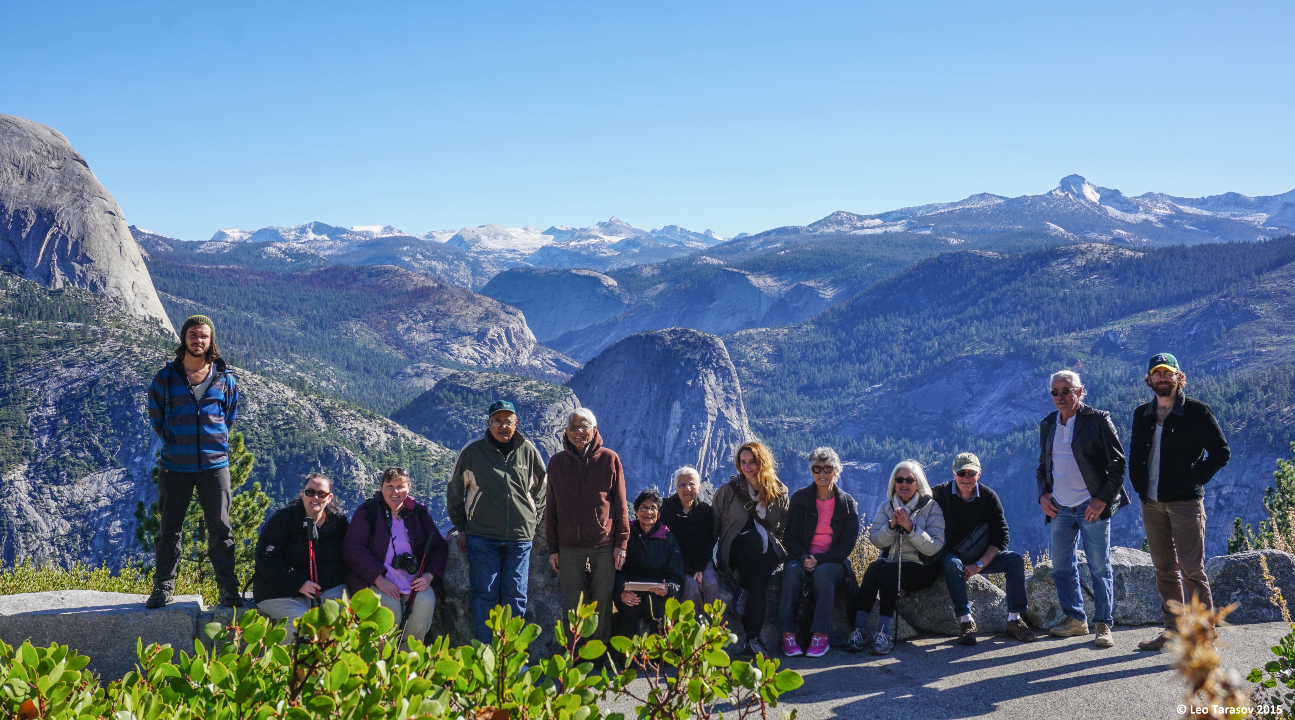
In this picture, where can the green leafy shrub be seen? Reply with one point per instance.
(134, 579)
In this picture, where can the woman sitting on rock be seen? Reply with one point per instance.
(750, 512)
(299, 554)
(654, 558)
(908, 528)
(822, 529)
(692, 522)
(394, 547)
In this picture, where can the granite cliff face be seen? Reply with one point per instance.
(664, 399)
(59, 227)
(453, 412)
(556, 302)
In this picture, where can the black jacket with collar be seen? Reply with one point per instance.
(1098, 453)
(652, 557)
(283, 553)
(802, 520)
(1192, 449)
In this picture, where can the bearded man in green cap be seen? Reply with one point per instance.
(1177, 447)
(192, 404)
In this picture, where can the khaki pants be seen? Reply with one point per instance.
(1176, 536)
(420, 616)
(596, 568)
(291, 608)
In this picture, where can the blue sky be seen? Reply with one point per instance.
(736, 117)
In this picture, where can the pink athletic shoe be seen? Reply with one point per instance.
(817, 646)
(790, 647)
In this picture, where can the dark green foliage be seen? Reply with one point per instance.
(1279, 506)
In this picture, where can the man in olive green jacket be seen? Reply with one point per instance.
(495, 500)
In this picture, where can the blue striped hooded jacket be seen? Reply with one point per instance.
(195, 436)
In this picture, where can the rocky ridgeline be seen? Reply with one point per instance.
(59, 227)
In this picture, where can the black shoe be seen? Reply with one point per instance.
(968, 635)
(754, 647)
(161, 597)
(231, 598)
(856, 642)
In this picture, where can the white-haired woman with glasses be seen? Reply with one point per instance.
(296, 567)
(692, 521)
(822, 529)
(908, 528)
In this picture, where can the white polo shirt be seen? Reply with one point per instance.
(1068, 486)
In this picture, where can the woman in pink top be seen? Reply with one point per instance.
(822, 528)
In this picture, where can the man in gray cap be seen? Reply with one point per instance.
(496, 500)
(1177, 447)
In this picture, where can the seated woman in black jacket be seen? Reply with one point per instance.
(289, 576)
(822, 528)
(653, 556)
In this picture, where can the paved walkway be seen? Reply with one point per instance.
(937, 679)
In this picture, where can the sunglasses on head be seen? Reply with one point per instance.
(315, 493)
(901, 480)
(1063, 391)
(967, 473)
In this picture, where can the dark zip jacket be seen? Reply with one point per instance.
(195, 435)
(695, 531)
(1098, 453)
(365, 547)
(1192, 449)
(283, 553)
(584, 504)
(961, 516)
(802, 520)
(497, 493)
(652, 557)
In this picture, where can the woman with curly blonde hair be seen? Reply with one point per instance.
(750, 514)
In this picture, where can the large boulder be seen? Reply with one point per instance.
(1137, 601)
(453, 412)
(102, 625)
(1239, 579)
(59, 227)
(664, 399)
(932, 609)
(1043, 606)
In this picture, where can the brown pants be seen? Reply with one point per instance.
(591, 572)
(1176, 537)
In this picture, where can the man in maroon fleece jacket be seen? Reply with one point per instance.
(585, 521)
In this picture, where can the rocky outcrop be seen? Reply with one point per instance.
(665, 399)
(1239, 579)
(59, 227)
(558, 301)
(453, 412)
(932, 609)
(1136, 600)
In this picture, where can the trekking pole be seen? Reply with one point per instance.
(312, 535)
(408, 605)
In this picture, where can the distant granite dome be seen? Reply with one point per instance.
(664, 399)
(59, 227)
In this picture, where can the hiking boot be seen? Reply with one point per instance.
(790, 647)
(1156, 644)
(161, 597)
(818, 646)
(755, 647)
(231, 597)
(884, 644)
(1020, 630)
(856, 642)
(967, 635)
(1105, 638)
(1069, 628)
(739, 605)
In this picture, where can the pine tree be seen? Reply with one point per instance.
(1279, 504)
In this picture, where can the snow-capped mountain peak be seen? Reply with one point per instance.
(1078, 187)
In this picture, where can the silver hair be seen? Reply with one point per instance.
(825, 456)
(914, 467)
(1069, 376)
(586, 414)
(688, 470)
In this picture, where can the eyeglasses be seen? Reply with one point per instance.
(968, 473)
(315, 493)
(649, 509)
(1064, 391)
(1164, 374)
(503, 423)
(583, 426)
(901, 480)
(820, 469)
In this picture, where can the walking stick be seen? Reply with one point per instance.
(408, 605)
(312, 535)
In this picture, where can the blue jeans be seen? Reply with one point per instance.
(1067, 526)
(497, 574)
(1009, 563)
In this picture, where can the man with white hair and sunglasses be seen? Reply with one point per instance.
(1081, 485)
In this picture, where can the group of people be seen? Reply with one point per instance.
(501, 490)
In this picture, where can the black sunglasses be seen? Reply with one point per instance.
(968, 473)
(1063, 391)
(315, 493)
(817, 469)
(901, 480)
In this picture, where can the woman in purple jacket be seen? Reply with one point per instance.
(394, 547)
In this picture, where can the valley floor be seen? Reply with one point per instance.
(938, 679)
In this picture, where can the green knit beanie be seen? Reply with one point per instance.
(195, 320)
